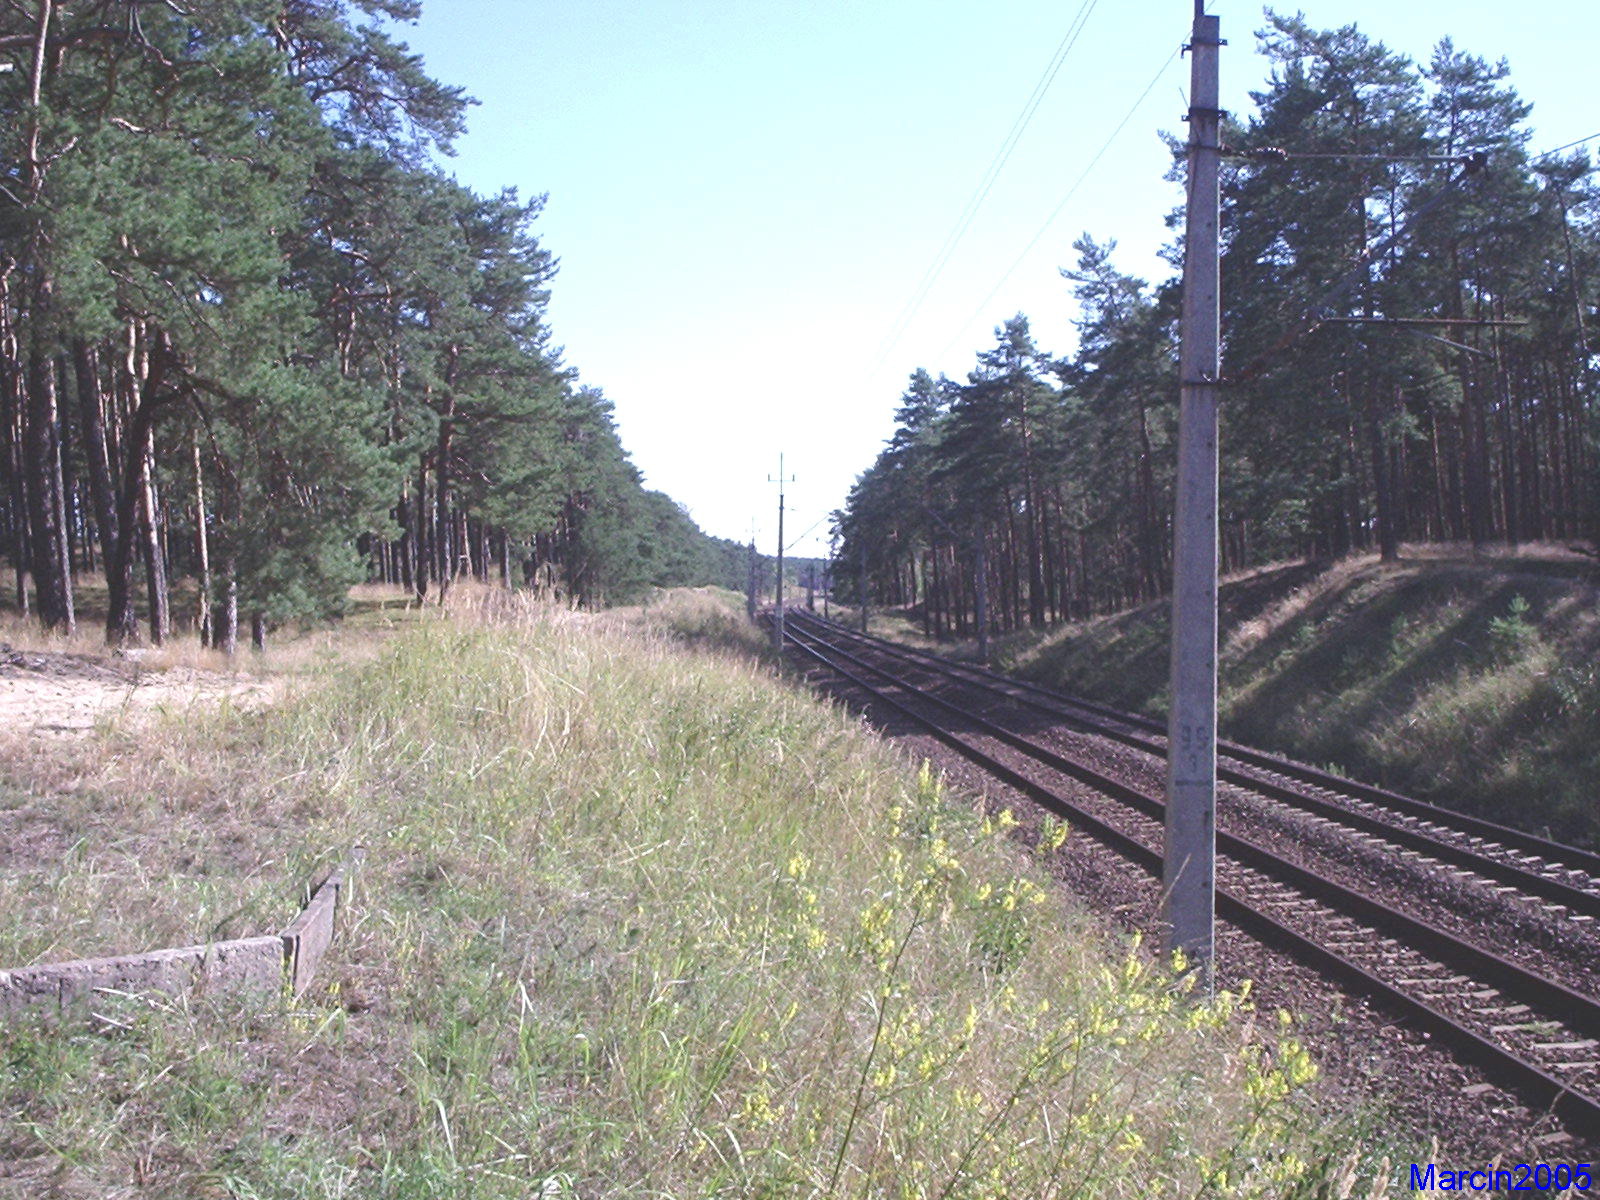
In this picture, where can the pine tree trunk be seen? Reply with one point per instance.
(155, 572)
(17, 495)
(70, 491)
(122, 623)
(1031, 527)
(202, 548)
(1510, 510)
(444, 552)
(1477, 471)
(52, 577)
(422, 558)
(91, 413)
(11, 416)
(226, 623)
(1149, 535)
(1383, 492)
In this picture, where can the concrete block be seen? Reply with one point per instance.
(310, 934)
(244, 965)
(256, 965)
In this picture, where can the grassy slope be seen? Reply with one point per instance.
(639, 919)
(1474, 684)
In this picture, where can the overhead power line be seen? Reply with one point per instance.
(1065, 200)
(1445, 160)
(808, 530)
(987, 181)
(1568, 146)
(1279, 154)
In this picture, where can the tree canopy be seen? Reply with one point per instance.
(1443, 388)
(252, 334)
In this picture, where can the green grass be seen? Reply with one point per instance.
(638, 919)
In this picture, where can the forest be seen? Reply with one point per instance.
(1407, 294)
(254, 339)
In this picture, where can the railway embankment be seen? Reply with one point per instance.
(637, 917)
(1473, 683)
(1455, 934)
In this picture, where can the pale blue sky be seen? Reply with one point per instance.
(746, 194)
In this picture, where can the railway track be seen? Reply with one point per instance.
(1564, 877)
(1524, 1023)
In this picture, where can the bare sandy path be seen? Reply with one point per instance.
(54, 695)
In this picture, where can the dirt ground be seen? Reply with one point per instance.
(48, 694)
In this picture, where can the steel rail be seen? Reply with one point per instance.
(1557, 853)
(1501, 1065)
(1533, 883)
(1502, 973)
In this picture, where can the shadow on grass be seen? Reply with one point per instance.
(1475, 684)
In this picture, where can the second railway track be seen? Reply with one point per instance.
(1564, 876)
(1526, 1017)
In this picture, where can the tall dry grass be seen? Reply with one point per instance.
(638, 919)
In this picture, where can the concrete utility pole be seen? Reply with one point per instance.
(827, 581)
(777, 608)
(1189, 875)
(750, 582)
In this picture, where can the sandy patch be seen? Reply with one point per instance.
(53, 695)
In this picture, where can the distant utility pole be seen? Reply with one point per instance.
(750, 582)
(811, 587)
(777, 608)
(827, 581)
(1189, 873)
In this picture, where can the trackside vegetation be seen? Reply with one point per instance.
(638, 919)
(1468, 681)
